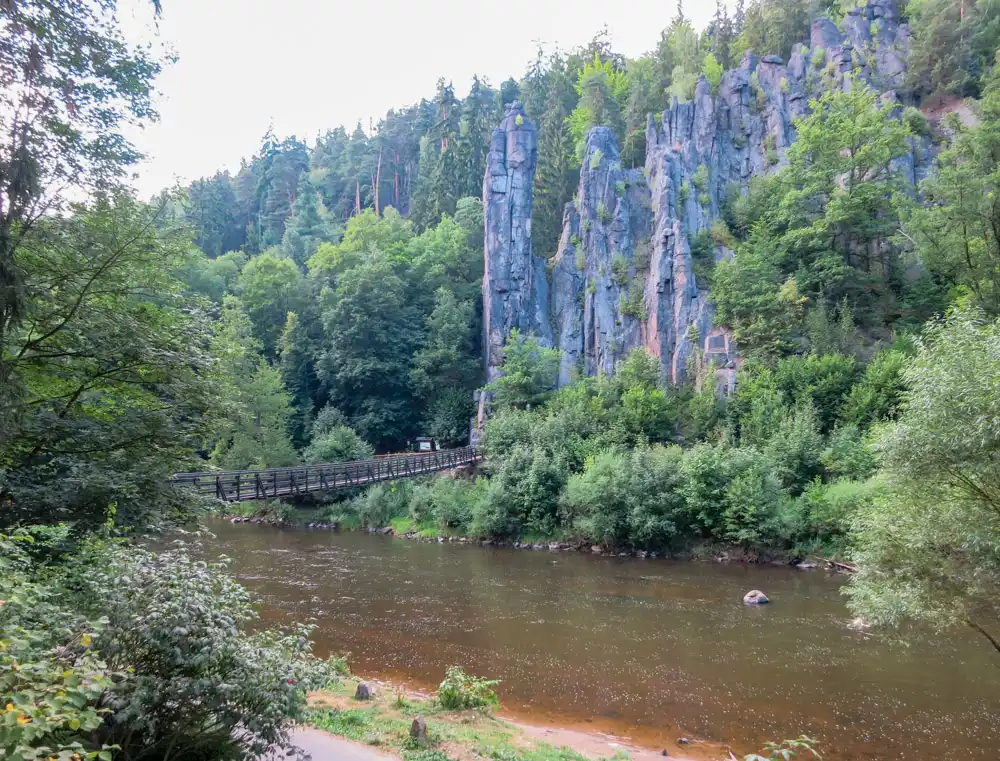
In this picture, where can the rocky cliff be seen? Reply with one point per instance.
(515, 287)
(624, 275)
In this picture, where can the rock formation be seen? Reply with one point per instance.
(624, 274)
(515, 288)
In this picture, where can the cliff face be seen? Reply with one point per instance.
(515, 288)
(623, 275)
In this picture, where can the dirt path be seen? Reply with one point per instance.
(323, 746)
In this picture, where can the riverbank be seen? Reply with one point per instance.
(404, 528)
(384, 722)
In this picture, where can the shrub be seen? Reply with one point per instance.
(700, 178)
(704, 199)
(620, 188)
(830, 508)
(818, 57)
(783, 84)
(449, 502)
(581, 259)
(603, 213)
(627, 497)
(619, 269)
(339, 444)
(635, 304)
(460, 691)
(917, 123)
(120, 646)
(523, 495)
(595, 159)
(684, 193)
(383, 502)
(848, 454)
(721, 235)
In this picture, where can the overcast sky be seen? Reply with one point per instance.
(304, 66)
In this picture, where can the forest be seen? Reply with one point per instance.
(325, 303)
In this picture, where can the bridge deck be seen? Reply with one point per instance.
(242, 485)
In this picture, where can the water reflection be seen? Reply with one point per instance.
(648, 648)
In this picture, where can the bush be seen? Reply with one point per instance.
(523, 495)
(917, 123)
(460, 691)
(120, 646)
(604, 215)
(627, 497)
(830, 508)
(339, 444)
(730, 493)
(449, 502)
(848, 455)
(381, 503)
(619, 269)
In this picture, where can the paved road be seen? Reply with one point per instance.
(325, 747)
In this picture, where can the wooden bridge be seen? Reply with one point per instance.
(241, 485)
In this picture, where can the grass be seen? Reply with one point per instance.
(385, 722)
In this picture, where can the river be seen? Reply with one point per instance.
(650, 649)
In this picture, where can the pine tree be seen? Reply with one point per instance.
(309, 225)
(554, 179)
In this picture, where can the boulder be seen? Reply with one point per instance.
(755, 597)
(364, 692)
(418, 731)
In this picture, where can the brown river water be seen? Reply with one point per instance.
(648, 649)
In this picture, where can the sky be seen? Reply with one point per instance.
(304, 66)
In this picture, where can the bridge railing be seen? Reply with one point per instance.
(272, 483)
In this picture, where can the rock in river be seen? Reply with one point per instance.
(755, 597)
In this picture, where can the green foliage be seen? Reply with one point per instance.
(627, 497)
(713, 71)
(460, 691)
(603, 90)
(338, 444)
(939, 467)
(64, 121)
(109, 384)
(879, 394)
(269, 288)
(952, 46)
(251, 430)
(118, 649)
(529, 375)
(523, 495)
(604, 215)
(700, 178)
(818, 57)
(620, 188)
(595, 159)
(449, 504)
(378, 505)
(635, 304)
(446, 370)
(619, 269)
(955, 234)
